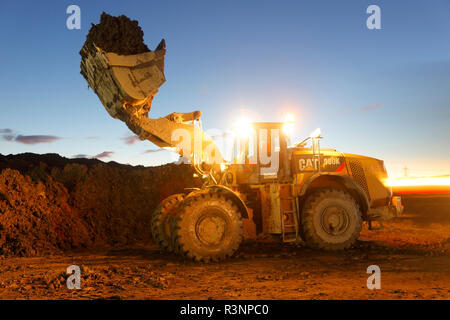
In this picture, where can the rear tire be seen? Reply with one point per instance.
(161, 217)
(331, 220)
(208, 227)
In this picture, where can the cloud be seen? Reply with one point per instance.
(9, 135)
(152, 151)
(131, 139)
(81, 155)
(104, 154)
(371, 108)
(35, 139)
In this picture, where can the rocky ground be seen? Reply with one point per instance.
(412, 253)
(289, 273)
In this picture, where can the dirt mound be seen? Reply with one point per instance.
(117, 34)
(50, 203)
(117, 202)
(36, 217)
(28, 162)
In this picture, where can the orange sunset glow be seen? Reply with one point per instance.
(420, 185)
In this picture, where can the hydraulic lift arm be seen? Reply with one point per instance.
(126, 85)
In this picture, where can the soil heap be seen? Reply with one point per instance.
(49, 203)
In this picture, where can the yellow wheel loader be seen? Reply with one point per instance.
(295, 191)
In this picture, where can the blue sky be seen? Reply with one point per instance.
(382, 93)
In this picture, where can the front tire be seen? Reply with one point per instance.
(331, 220)
(208, 227)
(161, 219)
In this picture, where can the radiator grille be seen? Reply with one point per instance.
(358, 175)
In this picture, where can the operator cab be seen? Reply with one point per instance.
(260, 153)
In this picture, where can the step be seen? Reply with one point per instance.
(290, 239)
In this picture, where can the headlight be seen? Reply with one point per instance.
(243, 128)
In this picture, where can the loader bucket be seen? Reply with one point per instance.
(124, 83)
